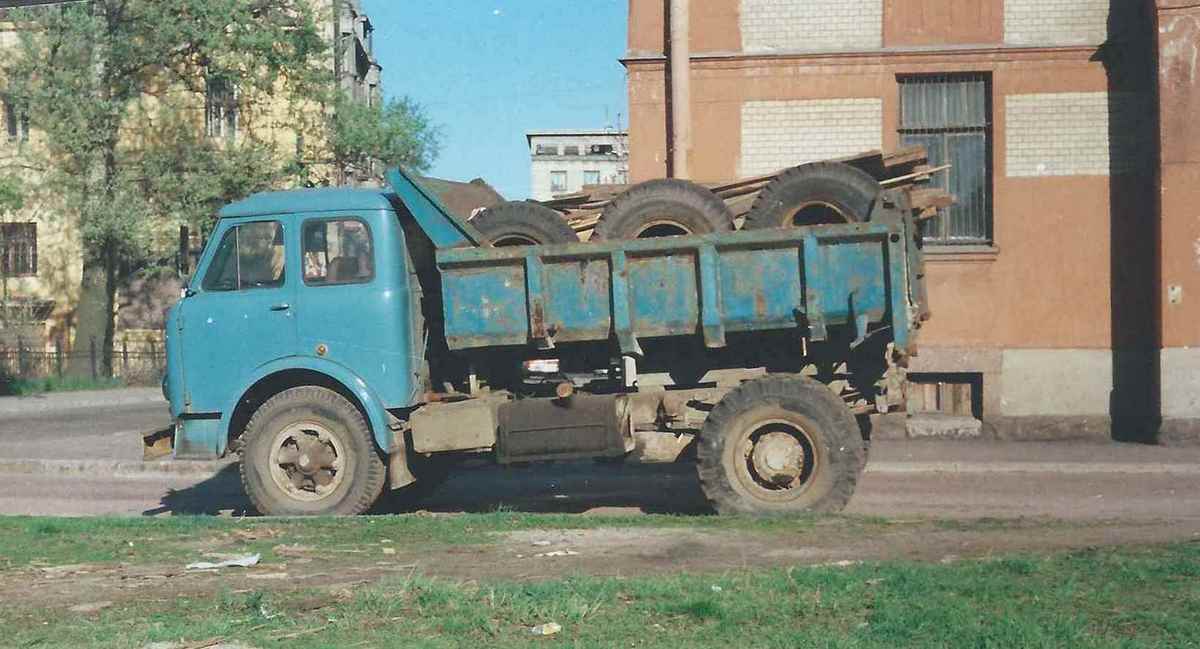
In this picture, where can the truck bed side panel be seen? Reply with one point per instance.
(701, 285)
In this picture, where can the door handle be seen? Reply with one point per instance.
(280, 307)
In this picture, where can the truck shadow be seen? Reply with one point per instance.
(565, 488)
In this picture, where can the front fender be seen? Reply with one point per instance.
(377, 415)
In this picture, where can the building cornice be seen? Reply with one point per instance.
(859, 57)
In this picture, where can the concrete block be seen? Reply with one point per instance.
(1056, 383)
(1043, 429)
(811, 25)
(778, 134)
(1068, 134)
(1180, 377)
(1070, 22)
(936, 426)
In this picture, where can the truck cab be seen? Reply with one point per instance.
(293, 285)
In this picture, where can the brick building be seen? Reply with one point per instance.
(1065, 285)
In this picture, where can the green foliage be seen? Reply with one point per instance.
(1117, 598)
(398, 133)
(191, 176)
(117, 88)
(11, 196)
(115, 92)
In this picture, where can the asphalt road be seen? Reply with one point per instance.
(92, 433)
(947, 479)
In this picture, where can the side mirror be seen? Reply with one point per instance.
(186, 293)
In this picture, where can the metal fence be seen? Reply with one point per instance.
(135, 363)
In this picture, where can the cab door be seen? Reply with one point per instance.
(238, 316)
(352, 309)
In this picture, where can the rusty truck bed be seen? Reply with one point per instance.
(707, 285)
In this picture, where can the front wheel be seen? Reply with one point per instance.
(780, 444)
(309, 452)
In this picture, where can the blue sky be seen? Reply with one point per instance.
(487, 71)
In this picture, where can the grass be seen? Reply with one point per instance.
(26, 387)
(1127, 598)
(26, 541)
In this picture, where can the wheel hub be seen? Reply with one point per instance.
(306, 461)
(778, 458)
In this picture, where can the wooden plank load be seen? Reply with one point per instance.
(906, 169)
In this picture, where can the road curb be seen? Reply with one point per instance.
(115, 469)
(1070, 468)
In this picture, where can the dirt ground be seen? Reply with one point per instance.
(617, 552)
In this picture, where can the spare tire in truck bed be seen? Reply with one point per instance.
(813, 194)
(663, 208)
(522, 223)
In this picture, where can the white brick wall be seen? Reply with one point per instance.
(1067, 134)
(1057, 22)
(778, 134)
(811, 25)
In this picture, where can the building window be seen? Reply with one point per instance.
(220, 108)
(18, 249)
(547, 149)
(591, 178)
(558, 181)
(571, 149)
(601, 149)
(951, 116)
(16, 121)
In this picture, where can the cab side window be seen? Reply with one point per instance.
(337, 251)
(249, 256)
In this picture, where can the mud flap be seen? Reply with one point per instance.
(399, 474)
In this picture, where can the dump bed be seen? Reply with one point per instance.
(709, 285)
(865, 274)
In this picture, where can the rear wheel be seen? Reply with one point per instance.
(663, 208)
(308, 451)
(520, 223)
(780, 444)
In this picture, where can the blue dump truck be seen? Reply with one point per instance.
(352, 342)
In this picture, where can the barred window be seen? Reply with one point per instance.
(951, 116)
(220, 108)
(18, 249)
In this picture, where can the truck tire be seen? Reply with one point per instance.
(813, 194)
(780, 444)
(521, 223)
(308, 451)
(663, 208)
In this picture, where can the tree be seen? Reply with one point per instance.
(11, 197)
(115, 87)
(398, 133)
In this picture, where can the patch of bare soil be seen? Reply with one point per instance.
(619, 552)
